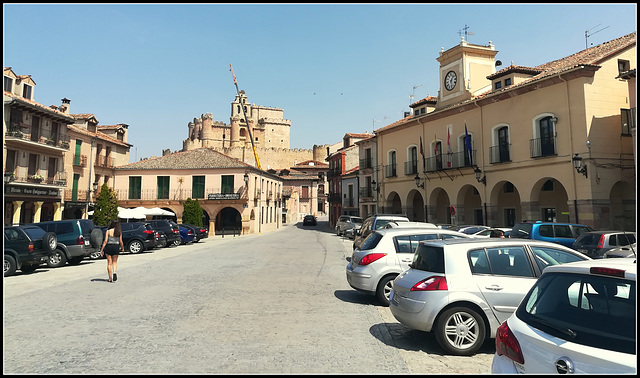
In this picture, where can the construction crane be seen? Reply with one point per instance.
(255, 153)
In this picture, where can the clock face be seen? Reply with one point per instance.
(450, 80)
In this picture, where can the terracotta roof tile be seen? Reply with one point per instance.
(193, 159)
(36, 104)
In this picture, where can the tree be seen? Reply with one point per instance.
(106, 209)
(192, 212)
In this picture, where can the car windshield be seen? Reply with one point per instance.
(86, 225)
(357, 220)
(34, 233)
(383, 222)
(585, 309)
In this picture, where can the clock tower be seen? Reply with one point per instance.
(463, 72)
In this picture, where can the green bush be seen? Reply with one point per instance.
(106, 209)
(192, 212)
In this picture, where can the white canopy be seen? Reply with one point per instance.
(139, 212)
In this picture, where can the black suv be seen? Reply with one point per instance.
(170, 229)
(136, 236)
(77, 239)
(26, 247)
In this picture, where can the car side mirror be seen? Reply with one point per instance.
(348, 258)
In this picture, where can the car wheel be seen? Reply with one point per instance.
(49, 241)
(96, 238)
(383, 291)
(95, 255)
(176, 243)
(9, 265)
(57, 259)
(76, 260)
(29, 268)
(135, 246)
(460, 331)
(162, 243)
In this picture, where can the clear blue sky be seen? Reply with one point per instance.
(333, 68)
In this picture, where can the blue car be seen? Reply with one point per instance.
(186, 235)
(561, 233)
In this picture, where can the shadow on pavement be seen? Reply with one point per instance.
(354, 296)
(413, 340)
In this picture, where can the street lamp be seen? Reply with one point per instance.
(419, 184)
(246, 179)
(95, 187)
(577, 164)
(478, 172)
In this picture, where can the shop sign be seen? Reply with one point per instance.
(70, 204)
(31, 191)
(223, 196)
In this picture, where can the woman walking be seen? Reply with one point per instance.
(112, 246)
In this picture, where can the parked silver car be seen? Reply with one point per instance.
(624, 251)
(595, 243)
(385, 254)
(347, 222)
(462, 290)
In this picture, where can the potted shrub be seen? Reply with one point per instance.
(36, 178)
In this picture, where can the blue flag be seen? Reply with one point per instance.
(467, 147)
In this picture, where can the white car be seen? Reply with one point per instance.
(463, 289)
(385, 254)
(578, 318)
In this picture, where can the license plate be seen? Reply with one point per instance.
(87, 242)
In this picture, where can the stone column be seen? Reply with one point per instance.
(17, 209)
(530, 211)
(37, 211)
(57, 211)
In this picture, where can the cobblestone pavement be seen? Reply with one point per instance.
(276, 303)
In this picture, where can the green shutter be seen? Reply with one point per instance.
(74, 188)
(135, 187)
(227, 184)
(76, 157)
(197, 187)
(163, 187)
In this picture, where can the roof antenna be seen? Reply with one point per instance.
(587, 34)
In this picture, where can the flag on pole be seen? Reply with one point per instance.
(449, 152)
(435, 146)
(467, 146)
(421, 149)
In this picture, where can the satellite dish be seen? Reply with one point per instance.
(498, 63)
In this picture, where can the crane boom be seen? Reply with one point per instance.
(255, 153)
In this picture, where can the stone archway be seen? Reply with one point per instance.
(228, 221)
(439, 207)
(415, 210)
(394, 204)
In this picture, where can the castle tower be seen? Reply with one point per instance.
(207, 131)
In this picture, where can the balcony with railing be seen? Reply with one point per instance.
(334, 198)
(390, 170)
(334, 172)
(80, 160)
(21, 135)
(105, 162)
(20, 175)
(411, 167)
(541, 147)
(348, 202)
(365, 192)
(180, 194)
(500, 154)
(449, 161)
(366, 163)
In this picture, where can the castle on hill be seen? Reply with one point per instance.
(269, 129)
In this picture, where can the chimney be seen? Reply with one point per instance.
(66, 104)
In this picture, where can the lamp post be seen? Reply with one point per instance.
(478, 172)
(577, 164)
(419, 184)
